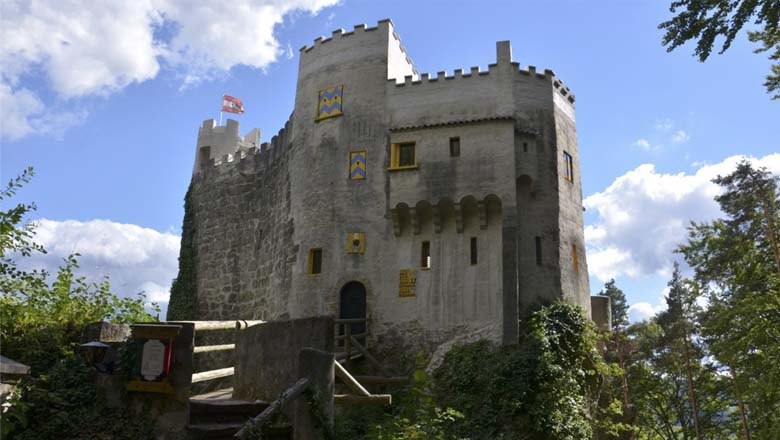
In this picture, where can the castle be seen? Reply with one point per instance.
(439, 207)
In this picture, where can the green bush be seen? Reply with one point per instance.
(544, 388)
(64, 403)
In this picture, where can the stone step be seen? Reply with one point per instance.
(213, 431)
(220, 431)
(224, 411)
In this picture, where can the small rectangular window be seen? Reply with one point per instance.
(315, 261)
(574, 258)
(473, 250)
(425, 255)
(568, 171)
(403, 156)
(454, 147)
(538, 242)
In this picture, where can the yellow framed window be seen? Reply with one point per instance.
(574, 258)
(315, 261)
(568, 167)
(403, 156)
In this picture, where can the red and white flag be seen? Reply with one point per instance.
(232, 105)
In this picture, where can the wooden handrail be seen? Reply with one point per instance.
(358, 335)
(344, 375)
(220, 325)
(211, 348)
(261, 419)
(368, 356)
(212, 374)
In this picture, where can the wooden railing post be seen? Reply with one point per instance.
(348, 341)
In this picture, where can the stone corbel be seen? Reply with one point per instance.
(483, 220)
(414, 216)
(436, 213)
(458, 217)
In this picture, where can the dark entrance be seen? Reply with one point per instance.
(353, 306)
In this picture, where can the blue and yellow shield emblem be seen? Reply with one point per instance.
(357, 165)
(330, 101)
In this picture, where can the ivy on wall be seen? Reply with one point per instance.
(182, 302)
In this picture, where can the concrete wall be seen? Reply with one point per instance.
(267, 355)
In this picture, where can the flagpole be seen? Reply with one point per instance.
(220, 108)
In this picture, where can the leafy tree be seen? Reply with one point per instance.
(706, 20)
(618, 304)
(41, 316)
(676, 322)
(737, 264)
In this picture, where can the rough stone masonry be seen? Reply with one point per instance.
(441, 207)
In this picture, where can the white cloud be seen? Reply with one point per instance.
(643, 144)
(643, 215)
(86, 48)
(642, 311)
(136, 258)
(23, 113)
(680, 137)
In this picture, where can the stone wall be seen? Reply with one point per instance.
(259, 214)
(267, 355)
(243, 229)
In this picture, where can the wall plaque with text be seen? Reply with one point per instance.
(407, 282)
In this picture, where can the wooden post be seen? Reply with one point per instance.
(318, 367)
(264, 417)
(348, 341)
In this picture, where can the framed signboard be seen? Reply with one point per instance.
(152, 346)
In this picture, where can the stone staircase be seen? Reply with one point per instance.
(218, 416)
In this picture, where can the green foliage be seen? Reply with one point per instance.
(737, 266)
(417, 416)
(65, 404)
(41, 322)
(548, 387)
(182, 302)
(41, 317)
(707, 20)
(618, 304)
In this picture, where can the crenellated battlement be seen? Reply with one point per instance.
(358, 31)
(477, 72)
(221, 147)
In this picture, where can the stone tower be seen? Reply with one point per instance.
(441, 207)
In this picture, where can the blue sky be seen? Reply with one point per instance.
(106, 103)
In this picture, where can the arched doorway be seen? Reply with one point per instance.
(352, 305)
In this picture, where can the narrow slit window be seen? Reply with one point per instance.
(315, 261)
(575, 260)
(425, 255)
(455, 147)
(538, 242)
(568, 164)
(474, 251)
(525, 147)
